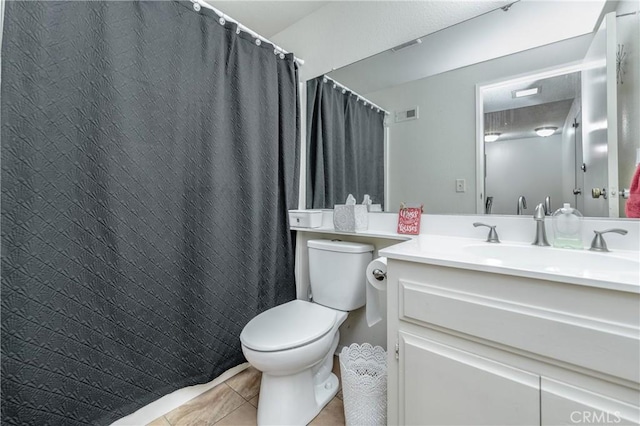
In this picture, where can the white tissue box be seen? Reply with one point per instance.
(305, 218)
(350, 218)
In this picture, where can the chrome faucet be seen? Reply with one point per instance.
(547, 206)
(487, 205)
(493, 235)
(522, 205)
(598, 243)
(541, 233)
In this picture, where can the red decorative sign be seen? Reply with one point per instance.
(409, 220)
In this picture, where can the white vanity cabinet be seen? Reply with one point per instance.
(443, 385)
(477, 347)
(563, 404)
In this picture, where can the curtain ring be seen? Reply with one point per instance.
(334, 85)
(221, 21)
(196, 7)
(282, 56)
(258, 42)
(238, 30)
(324, 80)
(344, 91)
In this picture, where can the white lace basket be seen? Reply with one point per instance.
(364, 384)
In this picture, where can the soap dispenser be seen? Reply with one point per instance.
(567, 228)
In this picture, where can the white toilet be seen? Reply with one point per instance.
(293, 344)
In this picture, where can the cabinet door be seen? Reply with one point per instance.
(564, 404)
(442, 385)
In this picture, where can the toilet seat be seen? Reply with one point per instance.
(288, 326)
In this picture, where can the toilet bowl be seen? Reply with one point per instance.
(296, 365)
(293, 344)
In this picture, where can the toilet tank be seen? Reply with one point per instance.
(337, 273)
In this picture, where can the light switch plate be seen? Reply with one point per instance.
(461, 185)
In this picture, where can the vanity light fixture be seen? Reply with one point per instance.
(546, 131)
(491, 137)
(525, 92)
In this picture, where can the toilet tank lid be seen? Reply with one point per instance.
(340, 246)
(288, 326)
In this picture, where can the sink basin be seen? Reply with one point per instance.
(555, 260)
(616, 270)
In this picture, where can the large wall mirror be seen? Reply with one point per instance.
(463, 84)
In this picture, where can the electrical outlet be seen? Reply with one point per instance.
(461, 185)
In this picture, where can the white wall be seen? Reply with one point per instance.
(481, 39)
(628, 28)
(427, 155)
(511, 165)
(343, 32)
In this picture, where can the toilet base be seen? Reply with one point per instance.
(326, 391)
(289, 400)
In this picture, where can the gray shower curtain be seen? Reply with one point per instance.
(149, 157)
(345, 147)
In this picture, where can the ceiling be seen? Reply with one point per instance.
(267, 18)
(520, 123)
(516, 118)
(561, 87)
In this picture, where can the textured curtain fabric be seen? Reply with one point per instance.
(149, 157)
(345, 147)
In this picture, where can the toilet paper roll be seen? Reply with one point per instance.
(376, 290)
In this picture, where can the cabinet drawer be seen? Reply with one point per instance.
(585, 342)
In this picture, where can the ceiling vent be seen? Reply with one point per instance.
(407, 44)
(406, 115)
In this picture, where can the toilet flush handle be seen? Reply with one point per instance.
(379, 275)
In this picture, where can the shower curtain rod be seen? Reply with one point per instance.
(228, 18)
(326, 78)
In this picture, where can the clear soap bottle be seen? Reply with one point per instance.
(567, 228)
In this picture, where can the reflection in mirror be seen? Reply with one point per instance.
(530, 144)
(345, 146)
(570, 153)
(434, 159)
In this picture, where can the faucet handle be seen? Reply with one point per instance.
(493, 235)
(599, 244)
(540, 212)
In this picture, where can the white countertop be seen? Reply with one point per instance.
(580, 267)
(452, 240)
(368, 233)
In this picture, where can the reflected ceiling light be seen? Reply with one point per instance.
(525, 92)
(546, 131)
(491, 137)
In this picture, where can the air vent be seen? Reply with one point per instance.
(407, 44)
(406, 115)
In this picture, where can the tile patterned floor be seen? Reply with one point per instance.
(235, 402)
